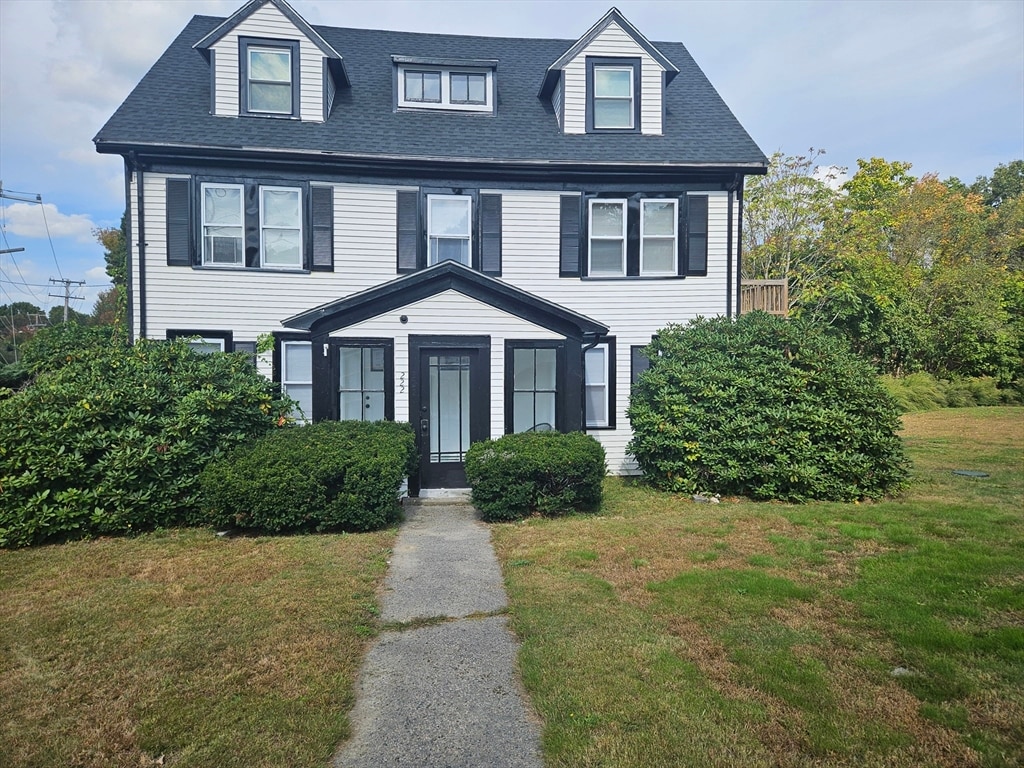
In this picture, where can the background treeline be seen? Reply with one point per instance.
(921, 276)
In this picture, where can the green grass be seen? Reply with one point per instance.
(205, 651)
(667, 633)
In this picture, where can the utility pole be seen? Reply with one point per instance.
(67, 292)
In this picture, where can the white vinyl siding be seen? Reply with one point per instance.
(252, 302)
(270, 24)
(613, 41)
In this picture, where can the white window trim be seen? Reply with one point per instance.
(591, 237)
(603, 348)
(208, 257)
(286, 380)
(264, 227)
(675, 236)
(431, 261)
(249, 80)
(632, 96)
(446, 89)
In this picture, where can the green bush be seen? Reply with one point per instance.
(546, 472)
(766, 408)
(916, 392)
(114, 439)
(55, 346)
(923, 392)
(331, 475)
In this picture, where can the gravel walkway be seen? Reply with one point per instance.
(444, 695)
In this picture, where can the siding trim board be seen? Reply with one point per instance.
(448, 275)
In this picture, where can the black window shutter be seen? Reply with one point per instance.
(490, 234)
(408, 230)
(179, 223)
(569, 236)
(322, 199)
(697, 235)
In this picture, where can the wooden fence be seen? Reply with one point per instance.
(771, 296)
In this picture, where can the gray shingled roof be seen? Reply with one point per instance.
(171, 105)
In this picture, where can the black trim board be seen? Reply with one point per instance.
(617, 61)
(448, 275)
(244, 43)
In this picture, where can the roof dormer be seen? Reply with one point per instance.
(267, 61)
(611, 80)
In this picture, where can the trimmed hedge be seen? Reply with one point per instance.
(110, 438)
(546, 472)
(766, 408)
(326, 476)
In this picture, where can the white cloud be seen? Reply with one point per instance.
(36, 221)
(833, 176)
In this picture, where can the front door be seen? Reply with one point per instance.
(452, 400)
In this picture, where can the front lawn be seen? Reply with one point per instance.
(668, 633)
(184, 649)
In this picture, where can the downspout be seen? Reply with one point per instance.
(731, 188)
(739, 249)
(129, 293)
(140, 204)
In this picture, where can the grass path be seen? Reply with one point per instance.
(667, 633)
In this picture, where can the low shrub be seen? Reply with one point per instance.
(766, 408)
(332, 475)
(924, 392)
(112, 438)
(546, 472)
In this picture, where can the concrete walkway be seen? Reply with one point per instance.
(444, 695)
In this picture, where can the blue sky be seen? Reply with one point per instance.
(937, 83)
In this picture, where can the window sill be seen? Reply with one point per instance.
(271, 270)
(599, 428)
(271, 115)
(624, 278)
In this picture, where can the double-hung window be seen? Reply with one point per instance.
(613, 97)
(659, 221)
(223, 242)
(599, 385)
(449, 228)
(607, 237)
(297, 375)
(281, 227)
(534, 388)
(268, 85)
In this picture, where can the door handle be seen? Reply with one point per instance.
(424, 426)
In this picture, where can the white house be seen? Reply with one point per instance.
(476, 235)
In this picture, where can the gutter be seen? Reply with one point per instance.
(405, 162)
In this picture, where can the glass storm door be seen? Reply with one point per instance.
(452, 413)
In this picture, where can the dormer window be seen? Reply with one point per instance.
(450, 84)
(269, 77)
(613, 95)
(423, 86)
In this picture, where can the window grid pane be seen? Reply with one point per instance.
(361, 392)
(449, 224)
(596, 384)
(281, 226)
(270, 80)
(297, 375)
(607, 237)
(222, 225)
(534, 388)
(613, 97)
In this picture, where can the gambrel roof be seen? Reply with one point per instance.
(170, 108)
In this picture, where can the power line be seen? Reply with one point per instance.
(25, 197)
